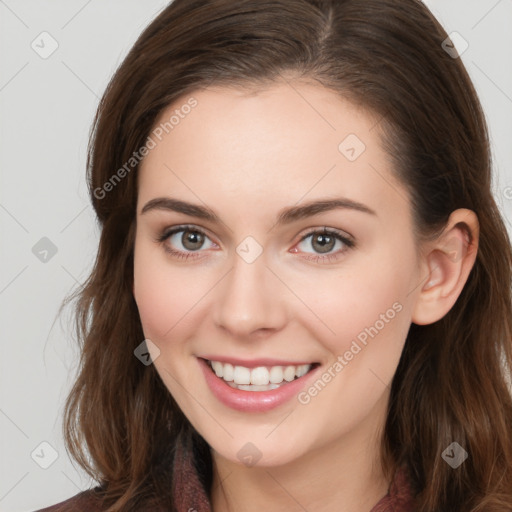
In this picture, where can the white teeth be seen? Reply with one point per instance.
(276, 374)
(217, 368)
(227, 372)
(242, 375)
(289, 373)
(253, 387)
(260, 378)
(302, 370)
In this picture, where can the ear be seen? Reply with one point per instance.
(447, 262)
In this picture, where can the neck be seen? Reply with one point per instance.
(340, 476)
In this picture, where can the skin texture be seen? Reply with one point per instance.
(247, 154)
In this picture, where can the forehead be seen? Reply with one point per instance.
(279, 144)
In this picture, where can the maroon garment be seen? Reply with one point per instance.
(190, 494)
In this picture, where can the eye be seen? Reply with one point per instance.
(323, 242)
(184, 241)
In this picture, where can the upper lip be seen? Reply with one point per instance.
(254, 363)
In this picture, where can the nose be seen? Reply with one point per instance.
(250, 301)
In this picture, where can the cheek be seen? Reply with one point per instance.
(364, 311)
(367, 312)
(164, 294)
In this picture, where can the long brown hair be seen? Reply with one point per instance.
(121, 424)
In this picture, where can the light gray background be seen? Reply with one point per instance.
(47, 106)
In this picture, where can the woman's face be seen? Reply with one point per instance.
(266, 284)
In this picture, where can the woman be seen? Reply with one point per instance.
(301, 299)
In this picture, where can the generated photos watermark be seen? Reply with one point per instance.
(156, 136)
(357, 345)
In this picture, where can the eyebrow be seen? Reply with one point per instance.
(285, 216)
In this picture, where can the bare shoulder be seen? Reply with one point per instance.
(86, 501)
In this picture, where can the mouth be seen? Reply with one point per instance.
(256, 386)
(259, 378)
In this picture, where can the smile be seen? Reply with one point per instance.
(256, 386)
(261, 378)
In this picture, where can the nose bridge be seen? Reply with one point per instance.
(250, 298)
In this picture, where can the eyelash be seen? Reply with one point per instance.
(349, 244)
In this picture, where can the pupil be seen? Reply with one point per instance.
(326, 242)
(192, 240)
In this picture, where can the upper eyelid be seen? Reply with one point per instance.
(327, 230)
(172, 230)
(193, 227)
(166, 233)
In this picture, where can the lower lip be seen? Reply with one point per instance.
(253, 401)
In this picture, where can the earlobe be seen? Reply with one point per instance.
(447, 265)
